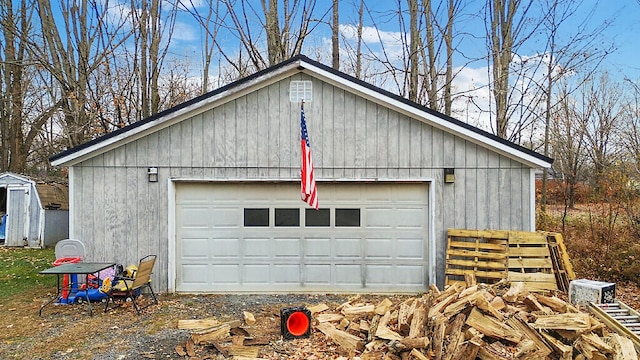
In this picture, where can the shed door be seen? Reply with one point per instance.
(17, 201)
(253, 237)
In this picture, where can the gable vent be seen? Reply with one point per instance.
(300, 90)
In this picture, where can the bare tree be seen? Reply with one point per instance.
(505, 34)
(153, 26)
(568, 133)
(71, 52)
(579, 52)
(277, 24)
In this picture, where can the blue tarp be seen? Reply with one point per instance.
(3, 226)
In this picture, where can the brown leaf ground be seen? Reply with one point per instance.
(68, 332)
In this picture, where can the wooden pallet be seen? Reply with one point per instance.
(561, 264)
(530, 260)
(539, 259)
(482, 253)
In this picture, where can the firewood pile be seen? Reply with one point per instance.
(499, 321)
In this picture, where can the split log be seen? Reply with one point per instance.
(383, 331)
(347, 341)
(438, 332)
(405, 314)
(416, 329)
(383, 306)
(564, 351)
(318, 308)
(595, 341)
(484, 305)
(440, 306)
(542, 349)
(494, 351)
(579, 321)
(243, 351)
(558, 305)
(197, 324)
(215, 333)
(329, 318)
(408, 344)
(461, 304)
(533, 304)
(373, 327)
(357, 310)
(491, 327)
(516, 291)
(448, 291)
(249, 319)
(623, 348)
(434, 290)
(455, 336)
(588, 350)
(418, 355)
(468, 350)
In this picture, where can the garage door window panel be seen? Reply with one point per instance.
(347, 217)
(317, 218)
(287, 217)
(256, 217)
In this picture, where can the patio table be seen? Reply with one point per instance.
(81, 268)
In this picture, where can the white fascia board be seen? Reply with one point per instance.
(174, 117)
(433, 120)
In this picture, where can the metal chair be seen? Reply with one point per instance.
(133, 286)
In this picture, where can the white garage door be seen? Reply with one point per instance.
(253, 237)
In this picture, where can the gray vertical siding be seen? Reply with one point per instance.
(122, 217)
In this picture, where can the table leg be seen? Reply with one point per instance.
(57, 297)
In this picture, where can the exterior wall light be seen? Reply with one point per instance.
(152, 172)
(449, 175)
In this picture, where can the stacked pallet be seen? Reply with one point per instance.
(538, 259)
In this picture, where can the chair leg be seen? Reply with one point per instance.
(106, 306)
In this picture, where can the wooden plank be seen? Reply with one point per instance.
(529, 251)
(478, 254)
(524, 237)
(478, 245)
(491, 234)
(479, 274)
(478, 263)
(530, 263)
(532, 277)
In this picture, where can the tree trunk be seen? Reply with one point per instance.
(502, 22)
(335, 41)
(413, 50)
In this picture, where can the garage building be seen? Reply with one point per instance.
(212, 186)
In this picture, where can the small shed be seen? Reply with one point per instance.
(33, 213)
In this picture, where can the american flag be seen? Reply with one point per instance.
(308, 187)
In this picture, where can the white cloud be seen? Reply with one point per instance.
(183, 31)
(371, 35)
